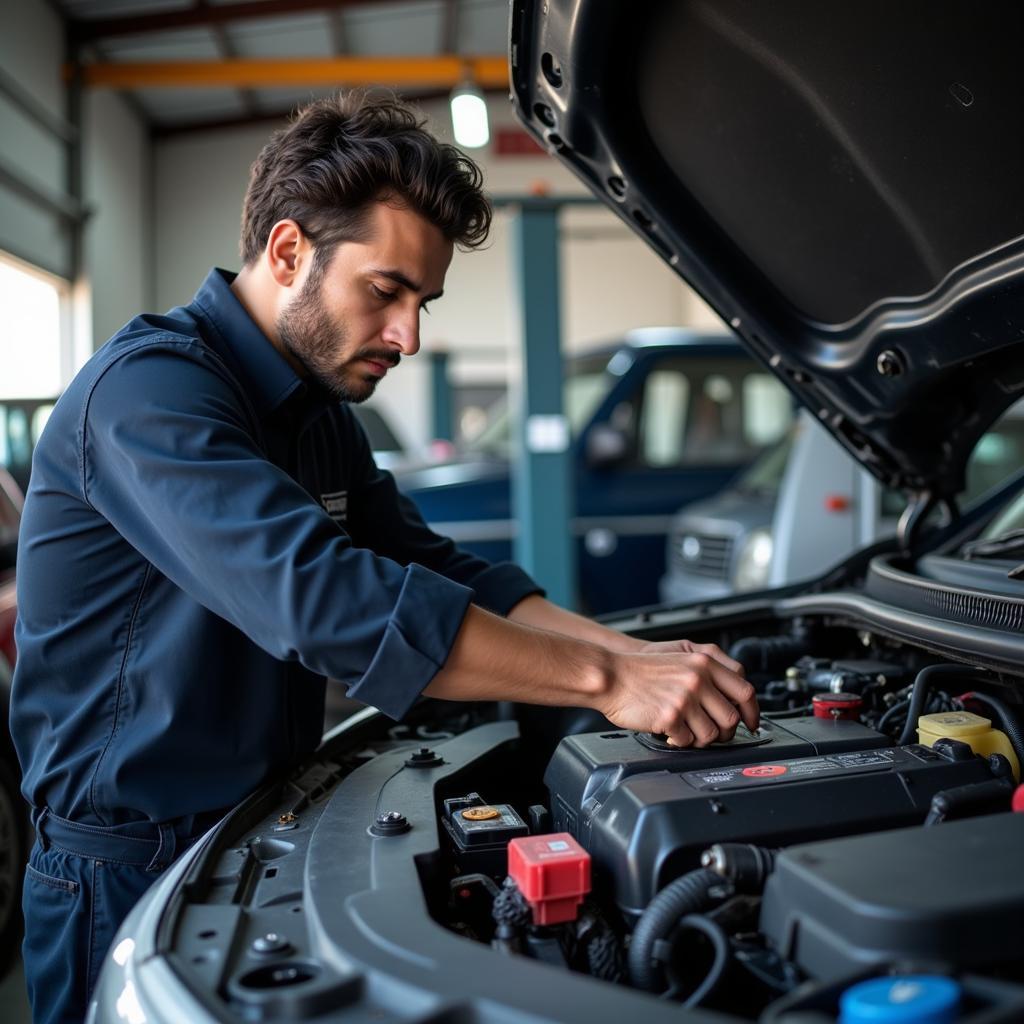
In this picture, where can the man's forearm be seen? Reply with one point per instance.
(690, 695)
(540, 613)
(498, 659)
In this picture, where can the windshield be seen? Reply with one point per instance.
(998, 454)
(585, 386)
(1009, 519)
(765, 475)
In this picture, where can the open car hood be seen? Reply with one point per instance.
(841, 183)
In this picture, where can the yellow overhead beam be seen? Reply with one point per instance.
(427, 72)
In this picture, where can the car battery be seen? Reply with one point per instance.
(480, 833)
(649, 827)
(586, 768)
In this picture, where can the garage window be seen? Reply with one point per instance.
(34, 345)
(35, 351)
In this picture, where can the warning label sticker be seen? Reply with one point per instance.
(765, 771)
(737, 776)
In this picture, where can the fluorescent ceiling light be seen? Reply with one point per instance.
(469, 117)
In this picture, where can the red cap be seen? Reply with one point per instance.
(1018, 799)
(552, 872)
(837, 705)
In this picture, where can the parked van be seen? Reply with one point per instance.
(801, 508)
(664, 415)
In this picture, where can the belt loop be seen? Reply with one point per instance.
(44, 843)
(165, 850)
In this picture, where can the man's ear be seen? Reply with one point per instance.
(287, 252)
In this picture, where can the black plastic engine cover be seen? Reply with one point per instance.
(646, 817)
(587, 767)
(953, 894)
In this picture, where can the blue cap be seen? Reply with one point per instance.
(912, 999)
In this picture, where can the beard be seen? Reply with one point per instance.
(319, 344)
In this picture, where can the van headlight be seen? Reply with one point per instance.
(754, 561)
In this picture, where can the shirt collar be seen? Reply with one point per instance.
(268, 378)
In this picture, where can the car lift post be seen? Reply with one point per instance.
(542, 480)
(441, 397)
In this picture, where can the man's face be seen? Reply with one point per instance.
(348, 327)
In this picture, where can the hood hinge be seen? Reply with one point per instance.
(921, 505)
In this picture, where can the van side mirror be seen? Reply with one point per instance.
(606, 445)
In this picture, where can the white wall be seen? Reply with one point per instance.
(610, 280)
(117, 269)
(118, 191)
(199, 184)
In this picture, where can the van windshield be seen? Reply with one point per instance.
(764, 477)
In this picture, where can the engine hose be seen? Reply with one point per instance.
(721, 949)
(922, 683)
(765, 653)
(689, 894)
(894, 712)
(1006, 719)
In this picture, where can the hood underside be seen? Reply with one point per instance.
(842, 183)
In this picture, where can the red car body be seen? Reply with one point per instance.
(10, 516)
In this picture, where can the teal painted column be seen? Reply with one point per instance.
(442, 410)
(542, 479)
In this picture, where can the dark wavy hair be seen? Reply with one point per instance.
(340, 155)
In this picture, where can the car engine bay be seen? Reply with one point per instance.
(864, 835)
(829, 846)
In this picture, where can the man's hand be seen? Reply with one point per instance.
(693, 693)
(697, 690)
(688, 647)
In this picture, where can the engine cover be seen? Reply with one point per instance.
(587, 767)
(646, 815)
(953, 894)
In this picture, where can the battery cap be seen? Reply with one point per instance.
(912, 999)
(481, 813)
(837, 706)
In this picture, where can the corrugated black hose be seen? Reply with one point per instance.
(693, 893)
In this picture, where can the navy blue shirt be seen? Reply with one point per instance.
(206, 537)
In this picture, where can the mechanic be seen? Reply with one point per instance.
(206, 539)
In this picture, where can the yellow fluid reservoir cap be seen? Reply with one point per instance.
(974, 730)
(480, 813)
(953, 724)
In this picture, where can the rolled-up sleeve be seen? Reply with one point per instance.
(170, 456)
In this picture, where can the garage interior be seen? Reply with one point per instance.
(123, 172)
(129, 128)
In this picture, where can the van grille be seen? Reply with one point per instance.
(702, 554)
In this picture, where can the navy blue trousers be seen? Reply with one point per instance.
(80, 884)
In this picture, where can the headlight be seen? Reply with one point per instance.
(754, 561)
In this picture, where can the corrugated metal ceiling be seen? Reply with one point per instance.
(302, 29)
